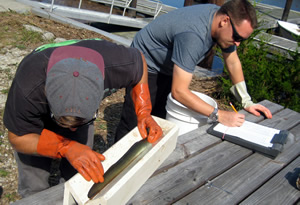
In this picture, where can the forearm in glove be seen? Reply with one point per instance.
(239, 91)
(143, 107)
(81, 157)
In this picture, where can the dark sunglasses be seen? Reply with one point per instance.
(235, 35)
(77, 126)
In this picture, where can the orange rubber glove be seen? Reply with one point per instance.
(81, 157)
(143, 107)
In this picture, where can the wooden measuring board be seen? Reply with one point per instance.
(127, 183)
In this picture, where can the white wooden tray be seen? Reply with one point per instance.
(127, 183)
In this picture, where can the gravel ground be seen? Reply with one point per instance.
(8, 167)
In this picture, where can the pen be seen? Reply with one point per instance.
(232, 107)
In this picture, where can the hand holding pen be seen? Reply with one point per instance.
(231, 119)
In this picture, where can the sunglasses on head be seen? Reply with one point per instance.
(77, 126)
(235, 35)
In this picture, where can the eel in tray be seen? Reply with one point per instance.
(136, 152)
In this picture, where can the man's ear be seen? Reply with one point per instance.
(224, 20)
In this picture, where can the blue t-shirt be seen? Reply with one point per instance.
(183, 37)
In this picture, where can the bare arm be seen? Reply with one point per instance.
(234, 67)
(144, 78)
(181, 92)
(26, 144)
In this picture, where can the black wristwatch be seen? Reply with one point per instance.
(213, 117)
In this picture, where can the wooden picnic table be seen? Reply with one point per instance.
(203, 169)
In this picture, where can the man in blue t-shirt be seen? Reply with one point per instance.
(175, 43)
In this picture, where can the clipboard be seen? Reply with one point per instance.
(275, 146)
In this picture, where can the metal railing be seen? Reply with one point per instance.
(52, 4)
(150, 7)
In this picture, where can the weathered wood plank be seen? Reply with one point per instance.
(274, 108)
(187, 146)
(240, 181)
(53, 195)
(280, 189)
(178, 181)
(197, 140)
(283, 120)
(295, 130)
(226, 188)
(192, 135)
(203, 142)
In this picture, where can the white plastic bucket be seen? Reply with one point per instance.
(186, 119)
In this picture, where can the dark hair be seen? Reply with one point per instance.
(239, 10)
(69, 121)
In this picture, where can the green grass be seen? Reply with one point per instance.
(27, 36)
(11, 196)
(13, 33)
(3, 173)
(4, 91)
(102, 126)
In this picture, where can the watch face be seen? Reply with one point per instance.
(213, 117)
